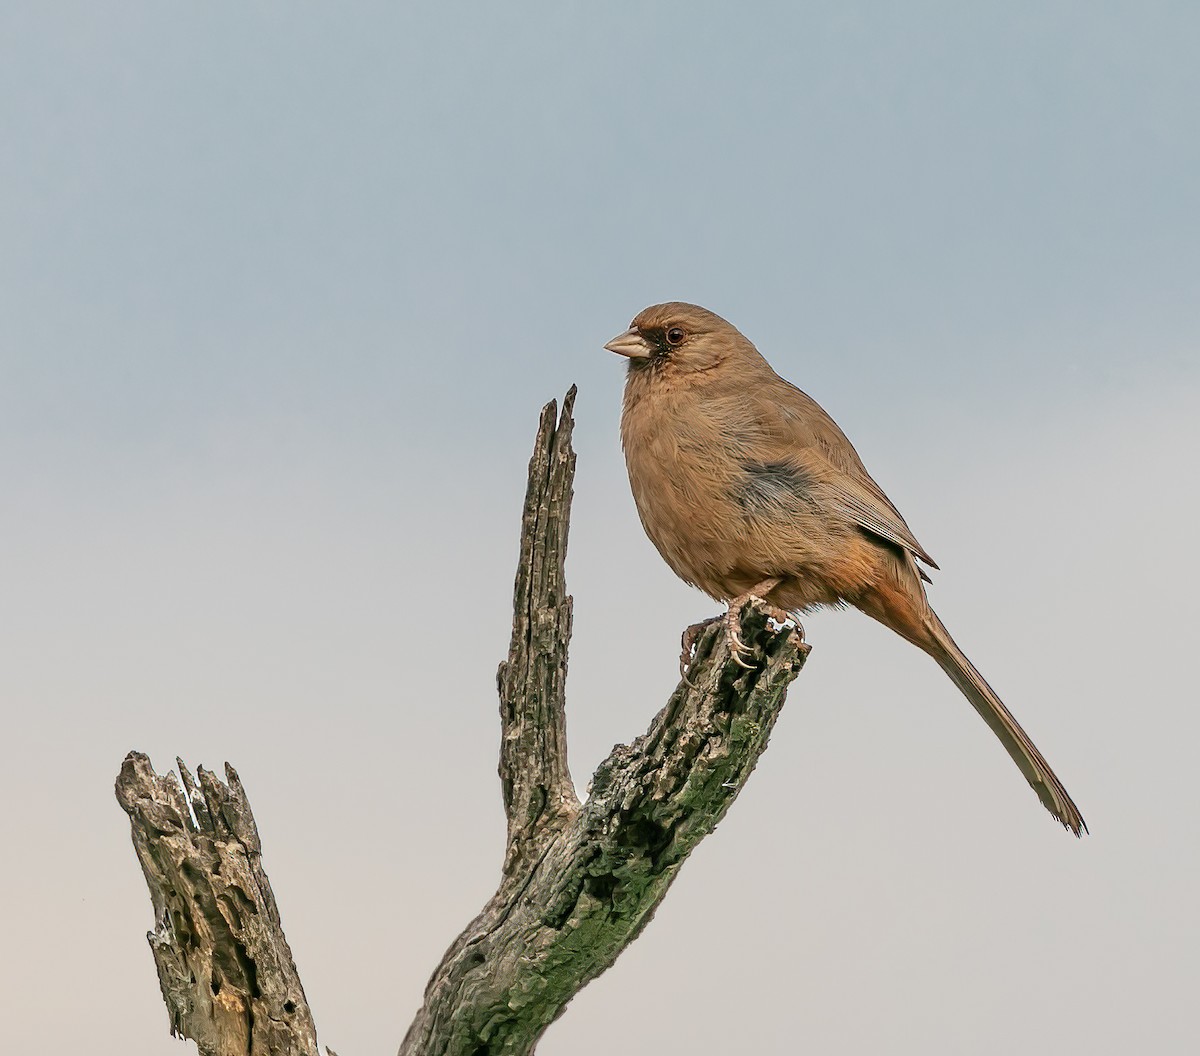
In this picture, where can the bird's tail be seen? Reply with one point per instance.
(1016, 741)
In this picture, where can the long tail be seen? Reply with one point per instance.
(1016, 741)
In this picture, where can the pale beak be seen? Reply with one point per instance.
(631, 344)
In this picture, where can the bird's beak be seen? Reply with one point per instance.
(631, 344)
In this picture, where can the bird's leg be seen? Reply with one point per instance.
(733, 618)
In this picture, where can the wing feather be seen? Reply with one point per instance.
(799, 432)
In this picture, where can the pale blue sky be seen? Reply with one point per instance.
(284, 288)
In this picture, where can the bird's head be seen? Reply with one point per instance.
(678, 338)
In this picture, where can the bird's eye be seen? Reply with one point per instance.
(674, 336)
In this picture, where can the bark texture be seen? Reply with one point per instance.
(578, 882)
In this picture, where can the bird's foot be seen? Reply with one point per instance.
(733, 629)
(688, 643)
(733, 618)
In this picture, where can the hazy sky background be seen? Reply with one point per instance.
(284, 287)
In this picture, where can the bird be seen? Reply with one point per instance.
(749, 490)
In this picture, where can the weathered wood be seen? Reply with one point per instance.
(224, 966)
(578, 882)
(539, 795)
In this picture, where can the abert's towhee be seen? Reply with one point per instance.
(748, 489)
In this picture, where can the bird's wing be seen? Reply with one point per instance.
(799, 430)
(862, 499)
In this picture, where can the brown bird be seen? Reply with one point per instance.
(750, 490)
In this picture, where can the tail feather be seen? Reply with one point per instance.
(1016, 741)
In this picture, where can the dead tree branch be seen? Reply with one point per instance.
(578, 882)
(224, 966)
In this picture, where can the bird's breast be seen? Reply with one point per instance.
(685, 470)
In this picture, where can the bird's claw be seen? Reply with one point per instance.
(685, 663)
(733, 630)
(688, 645)
(738, 649)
